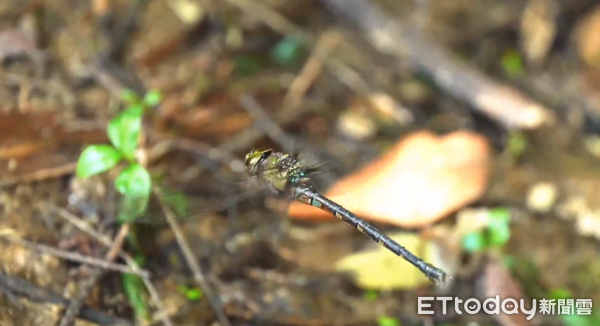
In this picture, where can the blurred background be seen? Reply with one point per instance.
(465, 130)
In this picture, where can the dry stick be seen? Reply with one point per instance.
(15, 285)
(251, 135)
(346, 75)
(269, 126)
(500, 102)
(73, 256)
(265, 123)
(43, 174)
(128, 259)
(214, 300)
(167, 143)
(77, 302)
(312, 69)
(280, 24)
(403, 41)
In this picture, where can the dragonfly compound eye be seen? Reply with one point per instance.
(254, 157)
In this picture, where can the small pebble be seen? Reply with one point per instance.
(542, 196)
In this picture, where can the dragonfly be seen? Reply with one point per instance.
(285, 175)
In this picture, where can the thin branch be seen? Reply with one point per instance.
(213, 299)
(84, 227)
(21, 287)
(77, 302)
(265, 123)
(311, 69)
(73, 256)
(406, 42)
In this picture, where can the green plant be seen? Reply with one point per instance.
(133, 182)
(287, 51)
(388, 321)
(495, 235)
(192, 294)
(512, 64)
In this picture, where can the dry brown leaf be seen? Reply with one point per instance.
(588, 42)
(497, 281)
(419, 181)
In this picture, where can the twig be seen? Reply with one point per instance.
(128, 259)
(403, 41)
(280, 24)
(15, 285)
(213, 299)
(500, 102)
(265, 123)
(166, 143)
(311, 69)
(75, 305)
(271, 128)
(72, 256)
(249, 136)
(40, 175)
(49, 85)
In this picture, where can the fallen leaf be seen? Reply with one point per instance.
(586, 36)
(498, 281)
(419, 181)
(381, 269)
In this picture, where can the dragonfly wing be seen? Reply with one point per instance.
(193, 201)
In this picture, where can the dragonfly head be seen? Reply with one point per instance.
(254, 158)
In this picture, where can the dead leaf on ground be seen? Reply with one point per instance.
(29, 143)
(586, 37)
(498, 281)
(419, 181)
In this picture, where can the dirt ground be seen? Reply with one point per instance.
(432, 119)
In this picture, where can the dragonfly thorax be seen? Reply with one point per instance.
(277, 171)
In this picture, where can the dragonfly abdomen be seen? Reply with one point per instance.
(309, 196)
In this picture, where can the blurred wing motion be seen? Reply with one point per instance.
(284, 174)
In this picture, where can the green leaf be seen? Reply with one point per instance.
(132, 207)
(499, 215)
(560, 293)
(153, 98)
(130, 97)
(133, 241)
(474, 241)
(512, 63)
(97, 159)
(134, 181)
(287, 51)
(388, 321)
(135, 184)
(499, 235)
(192, 294)
(517, 144)
(499, 226)
(134, 289)
(581, 320)
(124, 130)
